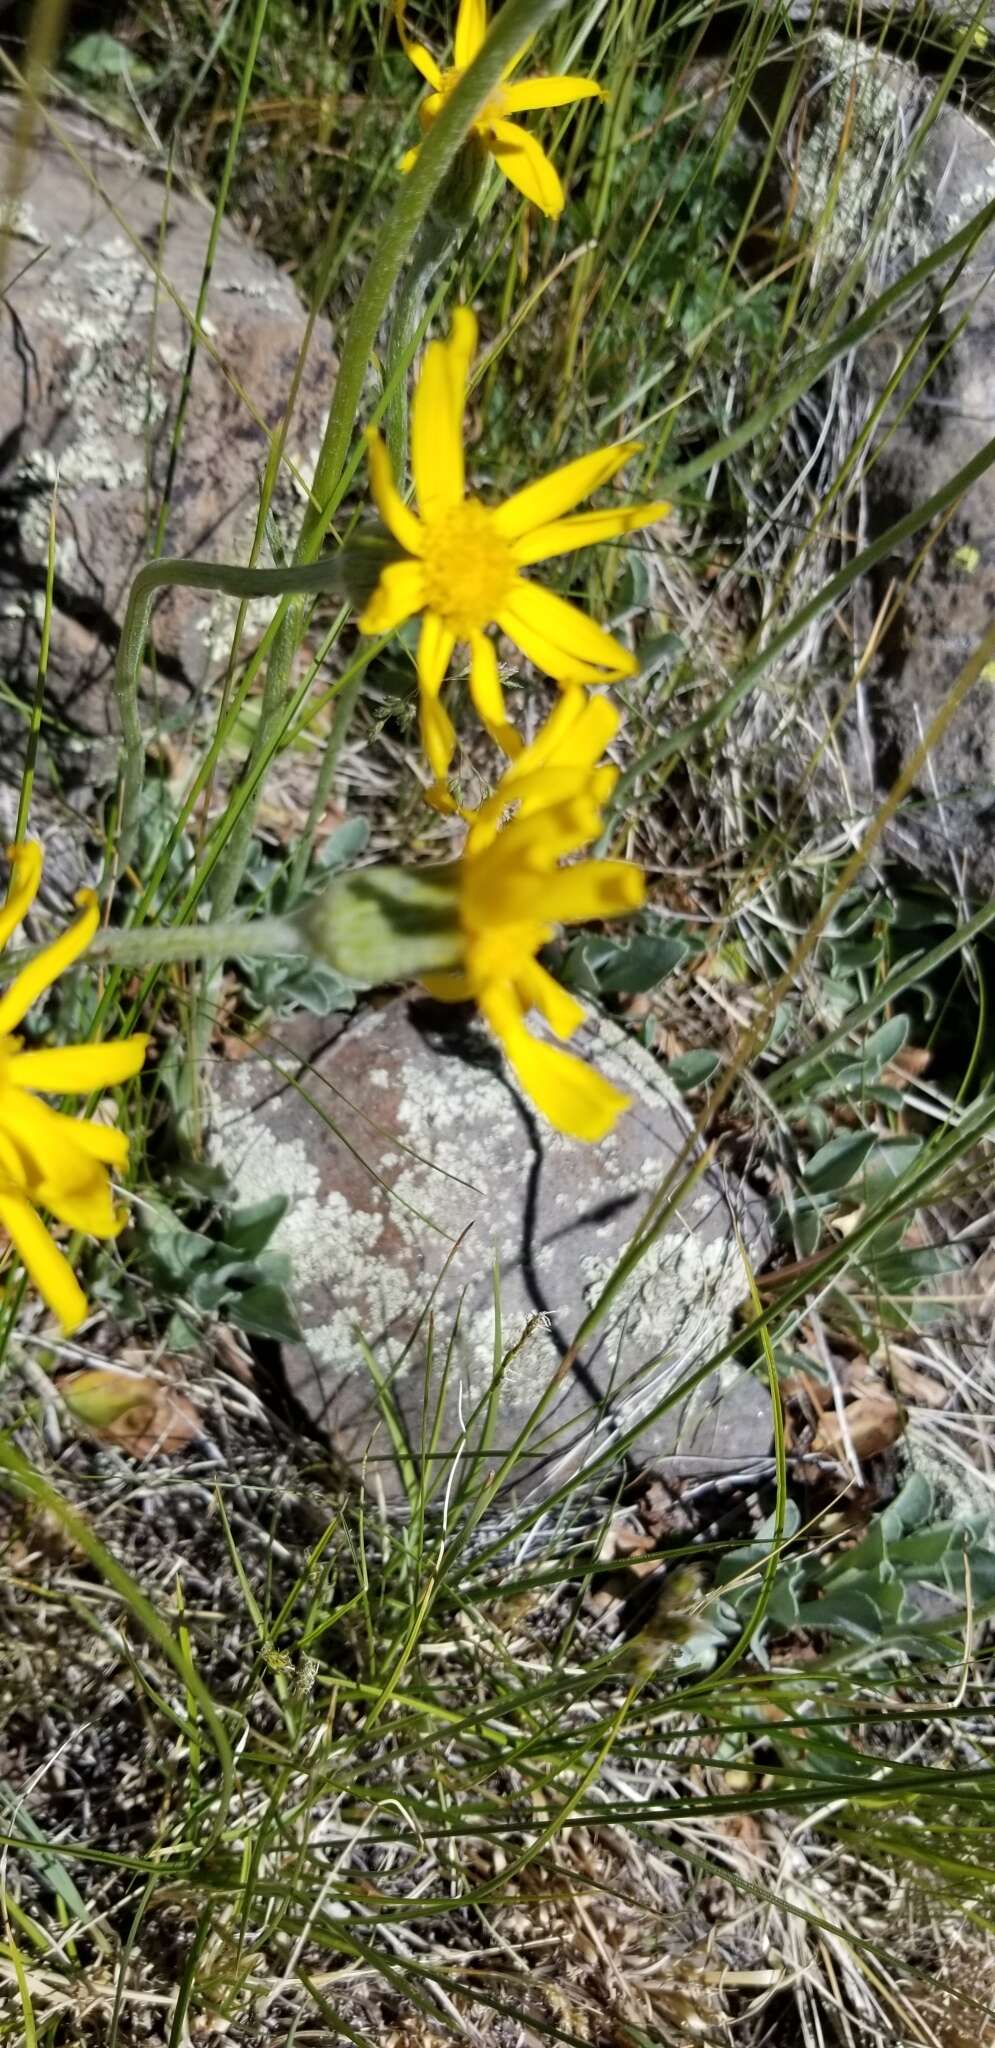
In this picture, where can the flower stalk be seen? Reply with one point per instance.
(517, 23)
(225, 579)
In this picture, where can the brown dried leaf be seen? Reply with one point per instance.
(918, 1388)
(138, 1414)
(874, 1422)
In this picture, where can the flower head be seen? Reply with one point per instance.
(48, 1160)
(463, 561)
(512, 894)
(516, 151)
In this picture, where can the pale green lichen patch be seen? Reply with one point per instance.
(476, 1178)
(854, 136)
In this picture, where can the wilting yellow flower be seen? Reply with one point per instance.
(463, 561)
(513, 148)
(513, 894)
(48, 1160)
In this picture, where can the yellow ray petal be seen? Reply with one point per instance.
(515, 881)
(27, 862)
(437, 417)
(396, 515)
(409, 159)
(543, 653)
(575, 735)
(39, 974)
(92, 1208)
(594, 888)
(538, 991)
(438, 736)
(51, 1272)
(562, 536)
(78, 1069)
(529, 846)
(562, 639)
(435, 649)
(488, 697)
(525, 163)
(471, 28)
(422, 59)
(100, 1141)
(424, 62)
(574, 1098)
(550, 496)
(47, 1140)
(400, 592)
(12, 1166)
(561, 91)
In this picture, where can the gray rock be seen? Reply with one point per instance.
(418, 1179)
(908, 182)
(92, 353)
(930, 27)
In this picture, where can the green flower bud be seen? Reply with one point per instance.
(456, 199)
(386, 924)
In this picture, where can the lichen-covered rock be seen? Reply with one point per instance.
(889, 180)
(104, 265)
(421, 1185)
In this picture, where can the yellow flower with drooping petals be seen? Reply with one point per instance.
(48, 1160)
(513, 894)
(463, 560)
(514, 150)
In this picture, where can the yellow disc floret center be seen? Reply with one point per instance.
(468, 568)
(491, 110)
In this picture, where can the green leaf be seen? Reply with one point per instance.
(851, 954)
(343, 845)
(181, 1334)
(266, 1312)
(48, 1863)
(597, 965)
(835, 1164)
(884, 1043)
(857, 1611)
(903, 1270)
(692, 1069)
(102, 56)
(890, 1159)
(910, 1509)
(178, 1251)
(248, 1231)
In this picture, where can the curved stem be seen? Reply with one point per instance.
(225, 579)
(515, 26)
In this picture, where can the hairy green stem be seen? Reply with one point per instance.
(516, 24)
(156, 945)
(223, 578)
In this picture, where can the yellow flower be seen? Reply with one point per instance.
(513, 894)
(48, 1160)
(463, 561)
(516, 151)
